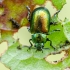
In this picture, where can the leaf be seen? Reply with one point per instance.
(57, 37)
(7, 36)
(10, 8)
(59, 3)
(17, 59)
(1, 11)
(24, 21)
(39, 1)
(66, 27)
(21, 59)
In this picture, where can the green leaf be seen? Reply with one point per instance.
(66, 27)
(39, 1)
(7, 36)
(17, 59)
(59, 3)
(57, 37)
(12, 9)
(1, 11)
(21, 59)
(24, 21)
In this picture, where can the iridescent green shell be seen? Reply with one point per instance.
(40, 20)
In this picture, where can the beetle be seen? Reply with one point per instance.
(40, 22)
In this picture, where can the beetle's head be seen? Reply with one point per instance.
(39, 46)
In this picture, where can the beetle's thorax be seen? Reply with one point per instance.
(39, 38)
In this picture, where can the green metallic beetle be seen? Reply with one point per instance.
(39, 27)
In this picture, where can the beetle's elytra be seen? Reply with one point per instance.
(40, 20)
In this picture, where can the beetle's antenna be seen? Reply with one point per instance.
(29, 13)
(28, 8)
(56, 12)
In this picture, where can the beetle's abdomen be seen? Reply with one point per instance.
(40, 20)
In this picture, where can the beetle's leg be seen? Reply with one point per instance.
(30, 43)
(45, 48)
(28, 16)
(29, 13)
(56, 13)
(53, 31)
(54, 17)
(19, 46)
(51, 44)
